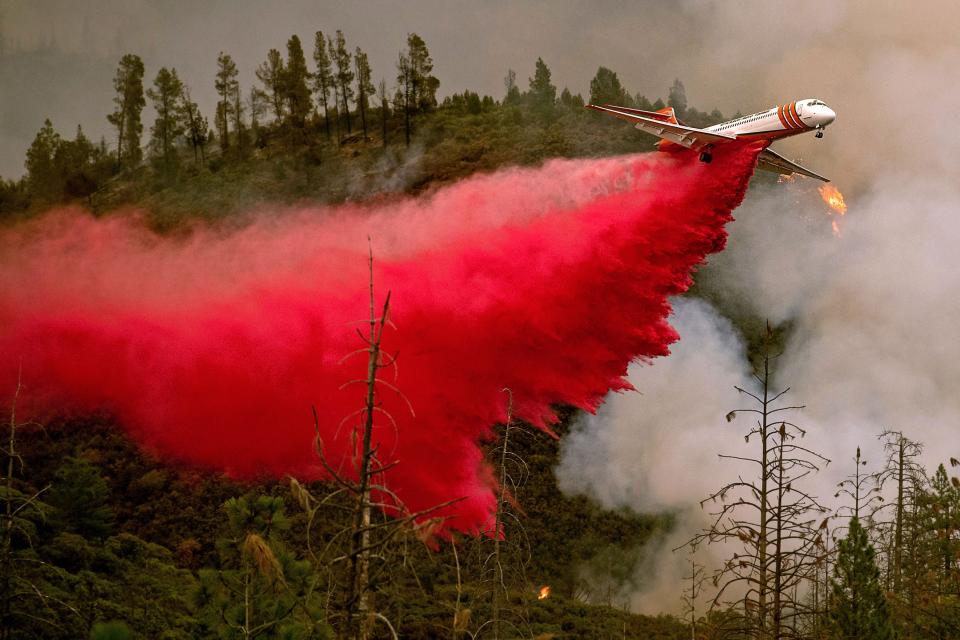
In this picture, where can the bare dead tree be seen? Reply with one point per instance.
(377, 516)
(861, 488)
(907, 475)
(504, 566)
(691, 594)
(768, 515)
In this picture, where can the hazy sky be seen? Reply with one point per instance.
(60, 54)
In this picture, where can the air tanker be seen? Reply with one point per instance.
(780, 122)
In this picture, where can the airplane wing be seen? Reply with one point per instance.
(689, 137)
(772, 161)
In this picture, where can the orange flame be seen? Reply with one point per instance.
(834, 199)
(544, 592)
(832, 196)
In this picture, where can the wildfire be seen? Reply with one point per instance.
(544, 592)
(834, 199)
(832, 196)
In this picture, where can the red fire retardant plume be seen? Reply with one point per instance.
(211, 348)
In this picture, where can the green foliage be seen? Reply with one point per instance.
(323, 77)
(344, 74)
(424, 84)
(605, 88)
(261, 589)
(167, 97)
(271, 74)
(859, 608)
(110, 631)
(295, 77)
(677, 98)
(81, 497)
(129, 103)
(227, 87)
(364, 85)
(543, 94)
(42, 176)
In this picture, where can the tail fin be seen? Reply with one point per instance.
(670, 113)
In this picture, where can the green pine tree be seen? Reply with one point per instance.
(295, 89)
(270, 73)
(226, 84)
(605, 88)
(82, 499)
(323, 79)
(543, 94)
(42, 179)
(166, 94)
(129, 101)
(859, 608)
(677, 97)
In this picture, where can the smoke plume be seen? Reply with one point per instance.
(872, 313)
(211, 348)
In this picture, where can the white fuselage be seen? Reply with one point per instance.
(784, 120)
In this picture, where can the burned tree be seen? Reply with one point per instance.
(905, 473)
(357, 555)
(862, 489)
(511, 472)
(691, 594)
(768, 515)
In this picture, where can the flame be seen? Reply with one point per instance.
(544, 592)
(832, 196)
(834, 199)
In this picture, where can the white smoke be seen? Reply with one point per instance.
(655, 450)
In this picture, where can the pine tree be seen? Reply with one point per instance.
(605, 88)
(344, 75)
(404, 92)
(257, 102)
(512, 95)
(364, 86)
(323, 78)
(295, 91)
(271, 73)
(129, 101)
(42, 179)
(226, 84)
(82, 499)
(423, 84)
(197, 129)
(384, 108)
(859, 609)
(543, 95)
(167, 96)
(677, 97)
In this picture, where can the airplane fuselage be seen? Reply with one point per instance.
(780, 122)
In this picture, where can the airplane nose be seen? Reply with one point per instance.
(828, 115)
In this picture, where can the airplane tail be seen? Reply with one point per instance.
(667, 114)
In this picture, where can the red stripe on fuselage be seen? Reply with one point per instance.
(783, 120)
(793, 110)
(789, 116)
